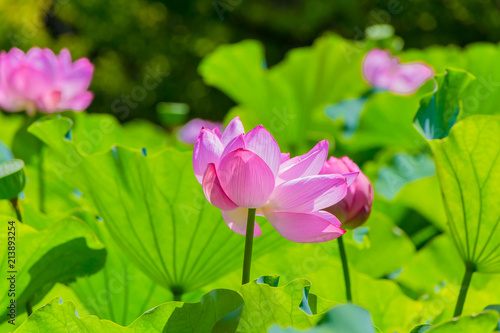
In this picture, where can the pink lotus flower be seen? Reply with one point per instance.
(356, 206)
(189, 132)
(385, 72)
(40, 80)
(240, 171)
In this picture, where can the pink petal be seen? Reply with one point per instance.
(77, 79)
(214, 192)
(233, 129)
(49, 102)
(309, 193)
(350, 177)
(376, 64)
(28, 82)
(236, 220)
(191, 130)
(284, 157)
(313, 227)
(309, 164)
(207, 149)
(261, 142)
(410, 77)
(77, 103)
(236, 143)
(246, 178)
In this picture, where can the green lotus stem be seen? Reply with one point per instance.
(15, 204)
(469, 270)
(177, 292)
(247, 260)
(345, 269)
(41, 183)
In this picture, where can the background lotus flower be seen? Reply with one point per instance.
(189, 132)
(240, 171)
(40, 80)
(356, 206)
(385, 72)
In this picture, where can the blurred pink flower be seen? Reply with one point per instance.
(385, 72)
(189, 132)
(40, 80)
(356, 206)
(240, 171)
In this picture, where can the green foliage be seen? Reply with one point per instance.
(468, 168)
(64, 251)
(154, 209)
(439, 111)
(288, 99)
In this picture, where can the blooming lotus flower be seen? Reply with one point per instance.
(354, 209)
(239, 171)
(385, 72)
(41, 80)
(189, 132)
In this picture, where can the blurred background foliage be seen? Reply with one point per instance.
(128, 40)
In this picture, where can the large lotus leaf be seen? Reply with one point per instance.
(386, 120)
(384, 249)
(287, 97)
(218, 311)
(404, 169)
(267, 304)
(439, 110)
(479, 59)
(468, 168)
(120, 291)
(390, 308)
(61, 253)
(341, 318)
(438, 285)
(154, 209)
(483, 322)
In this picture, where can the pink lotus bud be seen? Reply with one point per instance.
(385, 72)
(40, 80)
(189, 132)
(240, 171)
(356, 206)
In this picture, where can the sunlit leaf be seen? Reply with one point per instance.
(438, 112)
(61, 253)
(468, 167)
(154, 209)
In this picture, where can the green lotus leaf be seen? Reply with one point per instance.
(120, 291)
(60, 253)
(289, 98)
(12, 179)
(217, 311)
(483, 322)
(341, 318)
(154, 209)
(468, 168)
(267, 304)
(439, 111)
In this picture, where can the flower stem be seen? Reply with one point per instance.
(469, 270)
(177, 293)
(15, 204)
(345, 269)
(247, 260)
